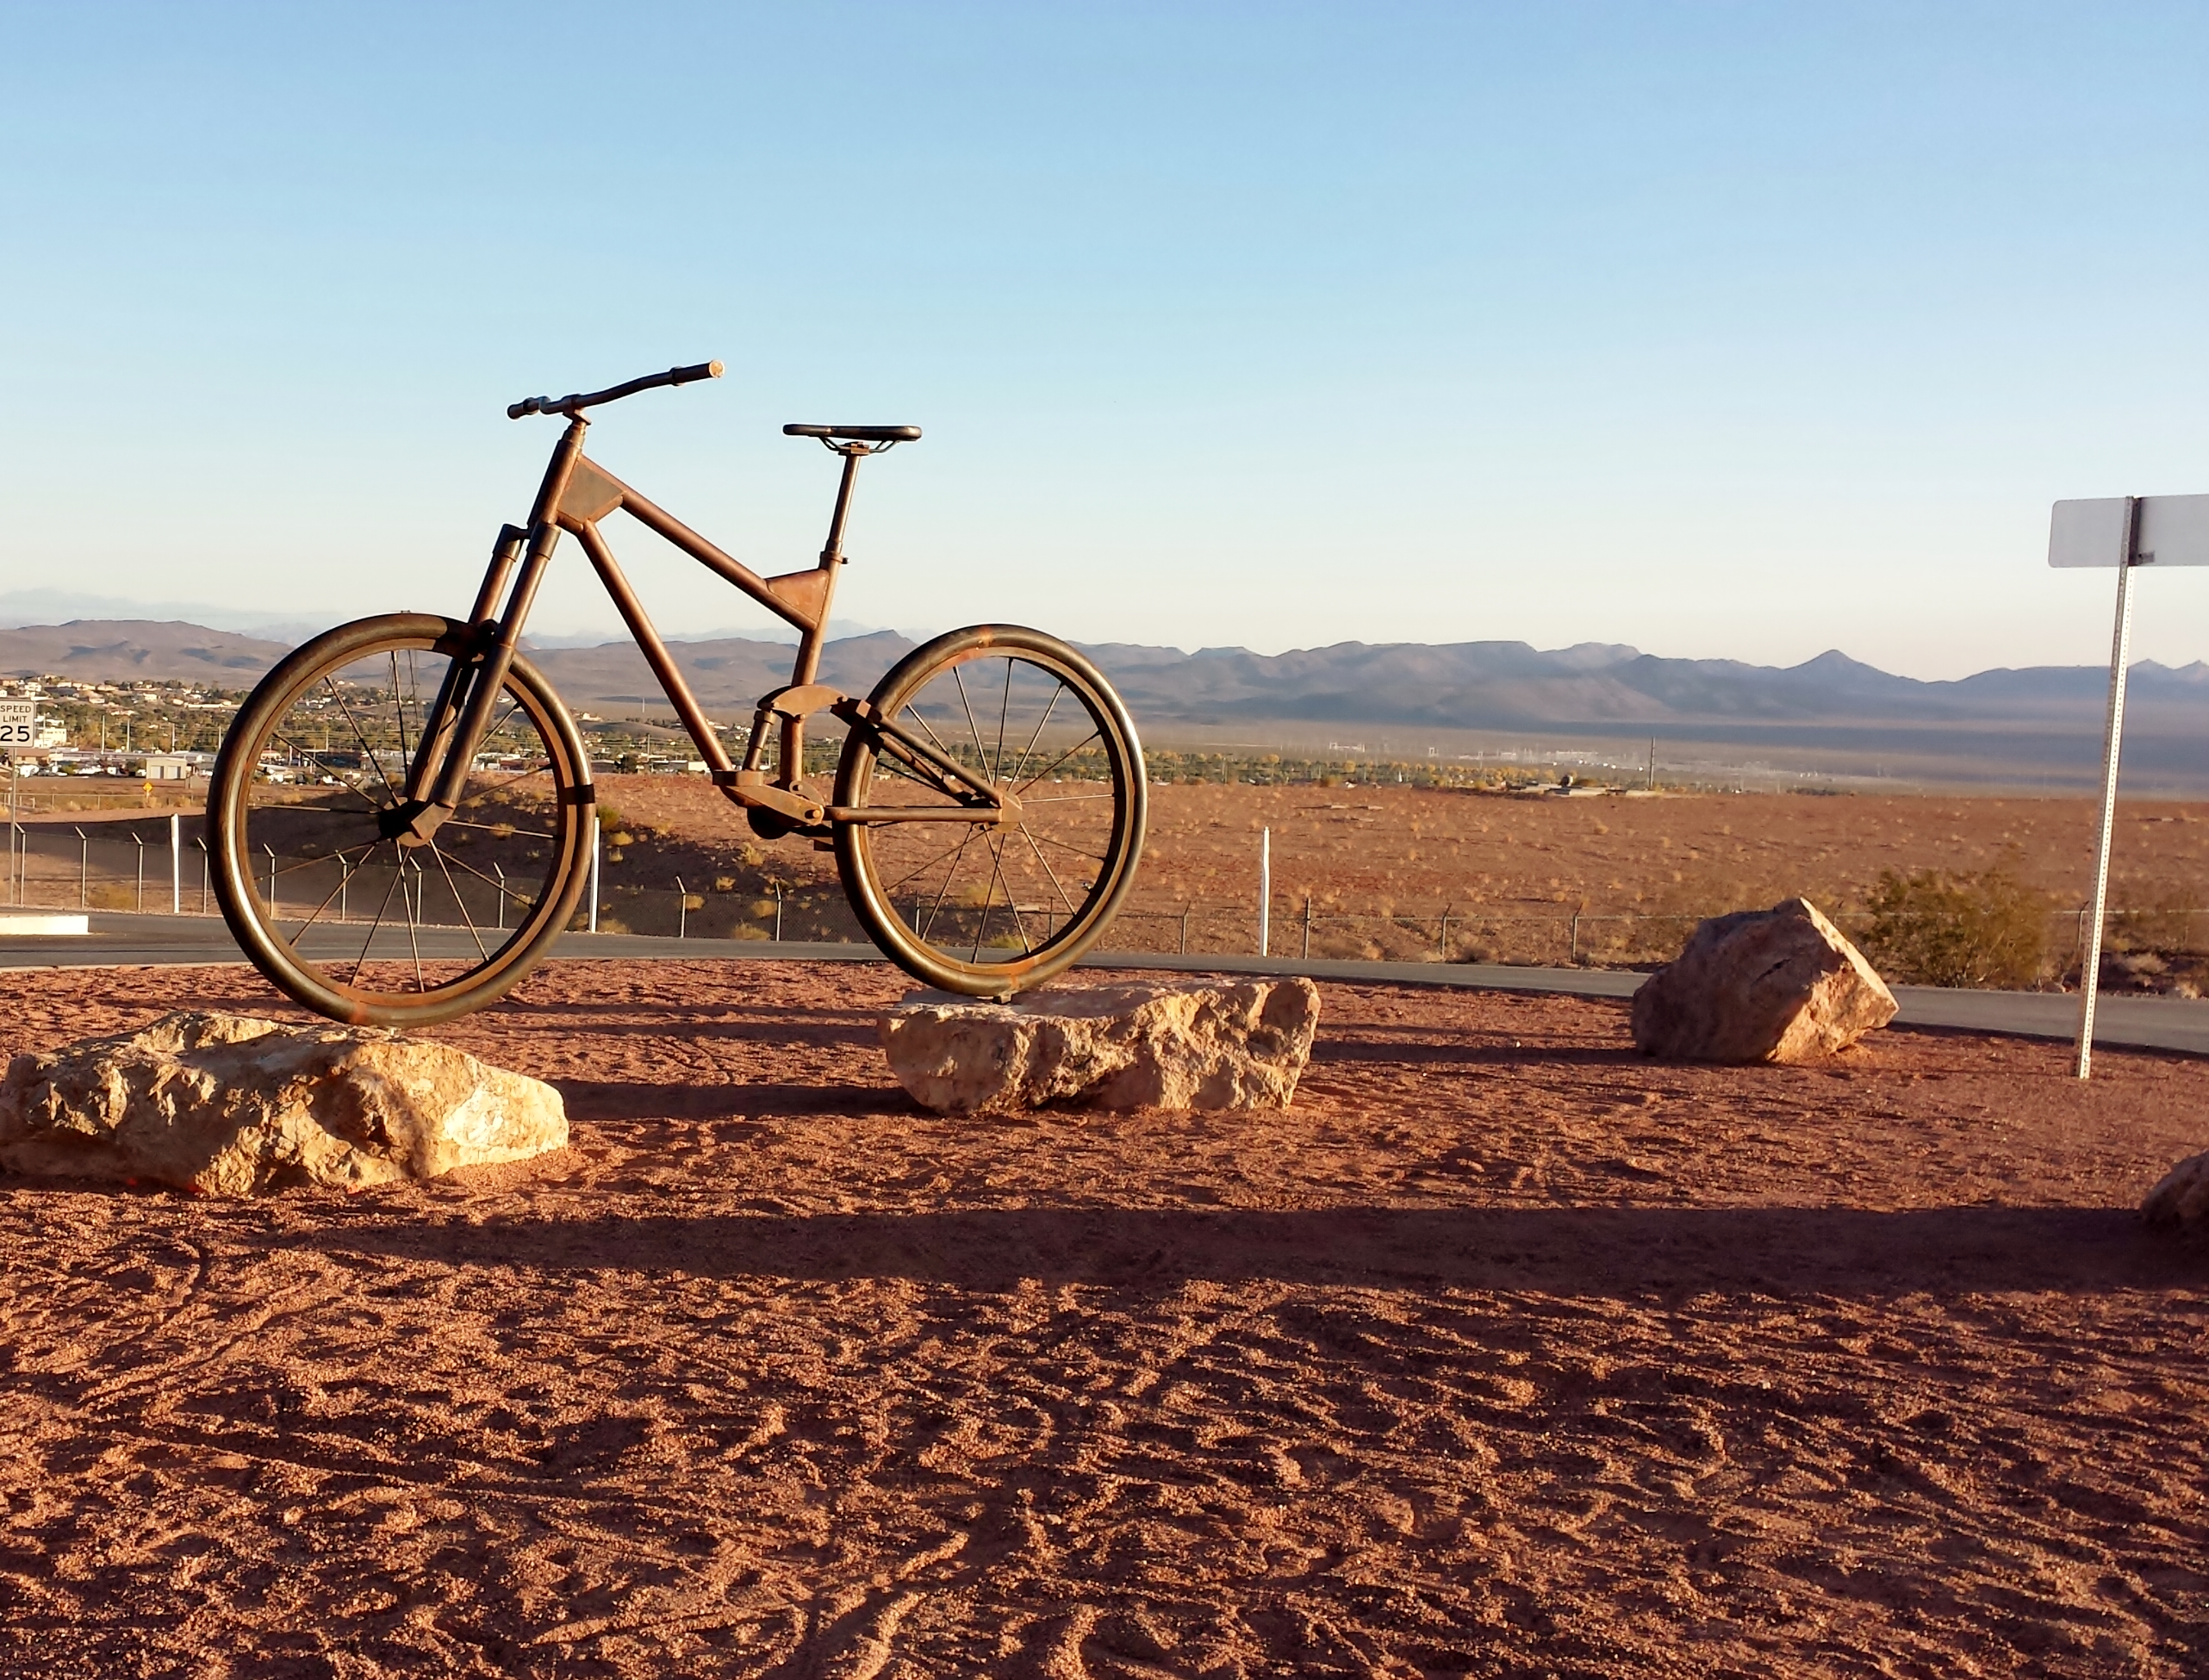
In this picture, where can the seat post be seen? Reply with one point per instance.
(833, 555)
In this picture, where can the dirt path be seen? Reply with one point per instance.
(1504, 1353)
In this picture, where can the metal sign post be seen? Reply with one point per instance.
(19, 730)
(2126, 532)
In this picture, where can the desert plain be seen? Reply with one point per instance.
(1381, 865)
(1503, 1351)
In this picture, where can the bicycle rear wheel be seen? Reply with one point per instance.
(311, 877)
(988, 909)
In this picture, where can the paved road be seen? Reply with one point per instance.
(2162, 1023)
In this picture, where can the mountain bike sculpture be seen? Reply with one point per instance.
(401, 813)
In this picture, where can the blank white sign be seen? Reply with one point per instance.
(2174, 531)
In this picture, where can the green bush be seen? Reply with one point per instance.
(1935, 928)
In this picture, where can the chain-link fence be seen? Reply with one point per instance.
(155, 865)
(161, 865)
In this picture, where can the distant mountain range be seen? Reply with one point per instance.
(2038, 723)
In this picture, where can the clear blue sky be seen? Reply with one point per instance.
(1724, 330)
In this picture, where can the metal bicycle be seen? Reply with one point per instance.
(401, 813)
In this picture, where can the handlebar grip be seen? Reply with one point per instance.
(700, 370)
(533, 405)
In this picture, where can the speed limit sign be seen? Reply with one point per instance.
(18, 724)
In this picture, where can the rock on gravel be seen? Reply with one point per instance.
(231, 1104)
(1119, 1047)
(2181, 1196)
(1778, 985)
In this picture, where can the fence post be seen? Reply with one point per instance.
(176, 863)
(1576, 939)
(270, 850)
(1307, 924)
(682, 908)
(83, 871)
(594, 852)
(1442, 939)
(501, 875)
(778, 912)
(1185, 929)
(201, 843)
(140, 905)
(1264, 889)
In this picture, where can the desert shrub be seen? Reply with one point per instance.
(2163, 920)
(1935, 928)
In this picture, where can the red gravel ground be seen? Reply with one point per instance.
(1502, 1353)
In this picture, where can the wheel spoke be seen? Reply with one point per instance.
(965, 840)
(1052, 874)
(546, 834)
(897, 767)
(308, 753)
(367, 752)
(913, 713)
(981, 758)
(413, 932)
(399, 712)
(1064, 846)
(344, 875)
(931, 863)
(1041, 724)
(1093, 734)
(1004, 711)
(989, 895)
(361, 962)
(297, 864)
(466, 919)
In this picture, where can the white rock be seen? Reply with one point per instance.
(229, 1104)
(1242, 1045)
(1778, 985)
(2180, 1196)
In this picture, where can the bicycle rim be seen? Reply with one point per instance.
(334, 910)
(985, 909)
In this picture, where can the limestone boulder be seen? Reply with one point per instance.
(1161, 1045)
(1778, 985)
(230, 1104)
(2181, 1196)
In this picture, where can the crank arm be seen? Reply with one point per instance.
(752, 790)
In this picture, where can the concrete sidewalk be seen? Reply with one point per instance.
(2159, 1024)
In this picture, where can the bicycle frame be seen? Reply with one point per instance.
(576, 496)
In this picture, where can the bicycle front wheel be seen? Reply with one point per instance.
(987, 909)
(310, 869)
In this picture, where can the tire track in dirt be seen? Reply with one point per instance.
(1501, 1350)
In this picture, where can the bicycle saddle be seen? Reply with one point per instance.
(857, 434)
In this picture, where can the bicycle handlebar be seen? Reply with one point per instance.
(576, 402)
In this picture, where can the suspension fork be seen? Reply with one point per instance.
(457, 723)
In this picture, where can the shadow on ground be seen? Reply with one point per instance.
(1625, 1253)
